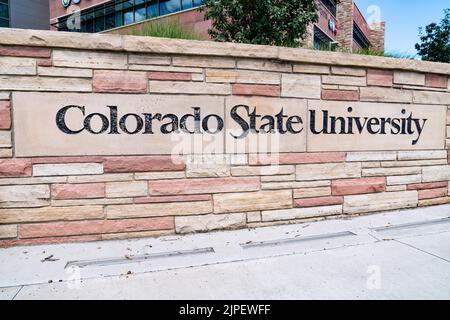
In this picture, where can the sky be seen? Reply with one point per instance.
(403, 19)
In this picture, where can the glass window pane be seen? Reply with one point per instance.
(186, 4)
(4, 11)
(169, 6)
(198, 3)
(128, 12)
(152, 8)
(139, 10)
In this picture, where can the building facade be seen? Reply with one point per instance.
(24, 14)
(339, 25)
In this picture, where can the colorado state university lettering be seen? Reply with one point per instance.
(248, 120)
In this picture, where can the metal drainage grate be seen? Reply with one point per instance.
(412, 225)
(137, 258)
(299, 239)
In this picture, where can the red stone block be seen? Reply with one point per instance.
(436, 81)
(340, 95)
(198, 186)
(433, 193)
(142, 164)
(205, 197)
(45, 62)
(358, 186)
(54, 160)
(39, 241)
(296, 158)
(78, 191)
(448, 117)
(377, 77)
(318, 202)
(15, 168)
(18, 51)
(170, 76)
(120, 81)
(61, 229)
(256, 90)
(423, 186)
(5, 115)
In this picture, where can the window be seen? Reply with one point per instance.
(330, 5)
(117, 13)
(322, 41)
(4, 13)
(359, 37)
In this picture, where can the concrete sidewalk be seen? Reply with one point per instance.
(398, 255)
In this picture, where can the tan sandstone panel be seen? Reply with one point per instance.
(265, 142)
(37, 132)
(372, 118)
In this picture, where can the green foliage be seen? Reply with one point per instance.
(389, 54)
(268, 22)
(166, 28)
(435, 42)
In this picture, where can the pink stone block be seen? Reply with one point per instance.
(423, 186)
(383, 78)
(358, 186)
(170, 76)
(60, 229)
(164, 199)
(433, 193)
(340, 95)
(142, 164)
(45, 62)
(318, 202)
(199, 186)
(78, 191)
(15, 168)
(256, 90)
(38, 241)
(436, 81)
(120, 81)
(5, 115)
(54, 160)
(31, 52)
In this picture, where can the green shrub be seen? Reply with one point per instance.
(166, 28)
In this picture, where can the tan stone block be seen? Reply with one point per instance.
(5, 139)
(301, 213)
(198, 166)
(32, 180)
(379, 172)
(262, 170)
(422, 155)
(311, 68)
(411, 78)
(428, 97)
(239, 159)
(8, 231)
(312, 192)
(65, 72)
(241, 76)
(434, 202)
(254, 216)
(22, 66)
(204, 62)
(20, 83)
(30, 121)
(5, 95)
(5, 153)
(385, 95)
(380, 202)
(68, 169)
(371, 156)
(345, 80)
(308, 172)
(399, 180)
(262, 64)
(159, 175)
(159, 209)
(436, 173)
(344, 71)
(50, 214)
(432, 136)
(367, 165)
(141, 67)
(278, 185)
(210, 222)
(252, 201)
(91, 202)
(278, 178)
(301, 86)
(262, 142)
(109, 177)
(198, 77)
(313, 184)
(126, 189)
(24, 196)
(413, 163)
(89, 59)
(151, 59)
(189, 87)
(395, 188)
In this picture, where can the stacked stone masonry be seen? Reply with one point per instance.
(86, 198)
